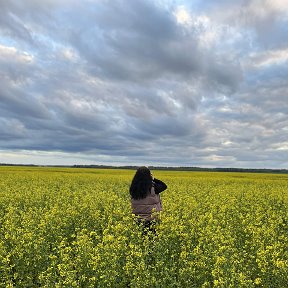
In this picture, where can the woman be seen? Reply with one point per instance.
(145, 198)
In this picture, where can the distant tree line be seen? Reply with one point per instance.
(217, 169)
(229, 169)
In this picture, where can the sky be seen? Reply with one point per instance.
(163, 83)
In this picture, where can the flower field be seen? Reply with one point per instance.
(68, 227)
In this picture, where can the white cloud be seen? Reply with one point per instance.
(13, 54)
(281, 146)
(182, 15)
(264, 8)
(69, 54)
(267, 58)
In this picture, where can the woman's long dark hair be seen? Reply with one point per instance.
(141, 183)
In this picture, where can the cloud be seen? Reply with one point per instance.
(144, 81)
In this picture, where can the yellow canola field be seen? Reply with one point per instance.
(68, 227)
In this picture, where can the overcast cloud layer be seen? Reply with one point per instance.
(144, 82)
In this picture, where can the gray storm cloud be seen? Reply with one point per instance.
(167, 84)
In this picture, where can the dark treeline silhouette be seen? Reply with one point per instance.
(170, 168)
(218, 169)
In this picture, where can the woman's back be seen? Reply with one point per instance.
(144, 207)
(144, 191)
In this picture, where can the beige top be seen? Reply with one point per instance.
(144, 207)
